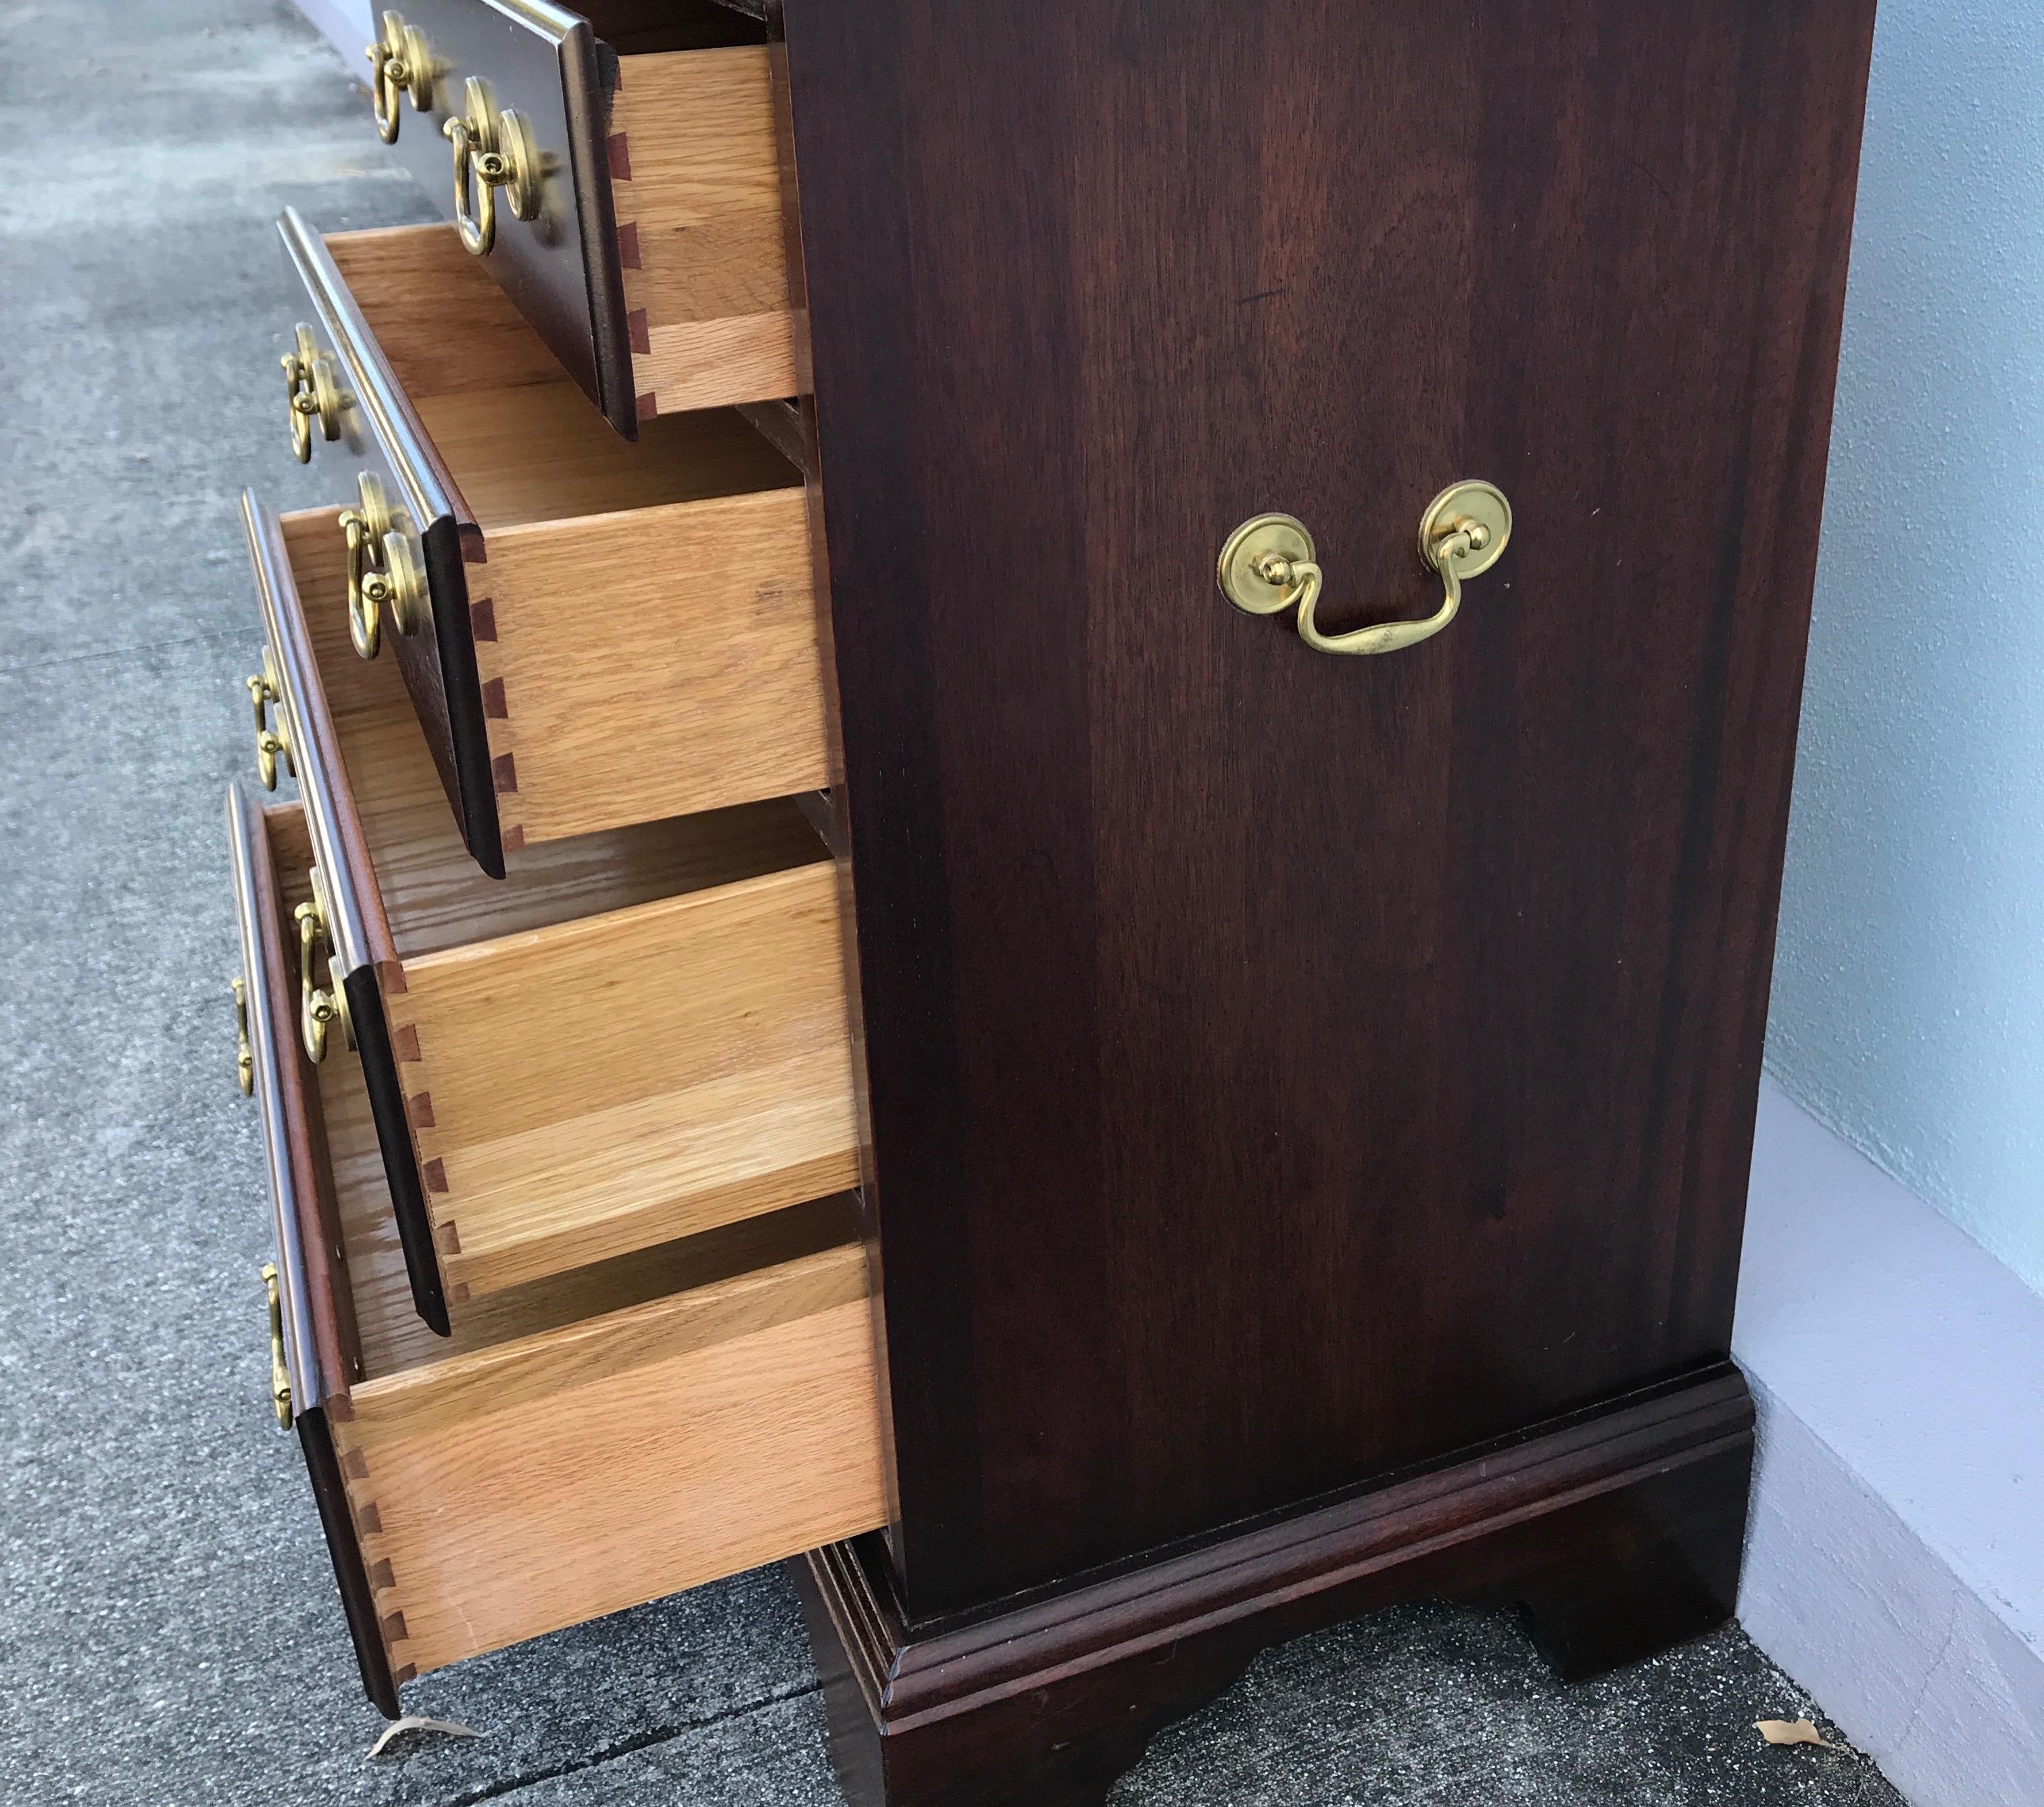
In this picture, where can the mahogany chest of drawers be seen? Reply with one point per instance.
(1044, 751)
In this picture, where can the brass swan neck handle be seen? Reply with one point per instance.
(1269, 565)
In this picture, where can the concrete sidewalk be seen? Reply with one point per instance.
(169, 1632)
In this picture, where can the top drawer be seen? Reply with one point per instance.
(616, 172)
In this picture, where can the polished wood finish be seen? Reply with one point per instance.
(322, 1341)
(654, 273)
(1286, 1069)
(581, 1106)
(380, 435)
(626, 632)
(1620, 1531)
(637, 1035)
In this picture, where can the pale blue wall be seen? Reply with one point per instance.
(1909, 988)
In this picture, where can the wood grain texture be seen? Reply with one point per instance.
(391, 1340)
(445, 325)
(1283, 1069)
(605, 1084)
(574, 542)
(1621, 1531)
(381, 440)
(727, 1434)
(722, 1386)
(427, 897)
(703, 204)
(699, 527)
(636, 1035)
(539, 452)
(362, 953)
(608, 722)
(559, 269)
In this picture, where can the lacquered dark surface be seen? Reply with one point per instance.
(359, 931)
(394, 1140)
(1620, 1532)
(382, 435)
(557, 66)
(358, 1603)
(1286, 1069)
(323, 1353)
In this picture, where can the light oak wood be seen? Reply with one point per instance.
(644, 614)
(720, 702)
(539, 452)
(697, 191)
(723, 1389)
(439, 313)
(677, 1470)
(635, 1036)
(430, 892)
(609, 1083)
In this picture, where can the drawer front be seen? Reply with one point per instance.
(307, 1341)
(639, 1036)
(625, 1433)
(365, 428)
(599, 635)
(639, 224)
(354, 933)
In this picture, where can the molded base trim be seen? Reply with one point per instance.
(1619, 1530)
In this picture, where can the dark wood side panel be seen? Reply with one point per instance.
(1285, 1069)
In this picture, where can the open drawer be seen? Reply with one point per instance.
(636, 219)
(593, 633)
(636, 1036)
(581, 1445)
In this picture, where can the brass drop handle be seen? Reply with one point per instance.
(1268, 565)
(399, 63)
(280, 1371)
(270, 743)
(385, 574)
(244, 1056)
(493, 149)
(318, 1007)
(313, 394)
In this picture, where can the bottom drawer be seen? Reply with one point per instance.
(580, 1444)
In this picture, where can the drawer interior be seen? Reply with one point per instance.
(724, 1384)
(387, 1335)
(635, 26)
(435, 895)
(525, 444)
